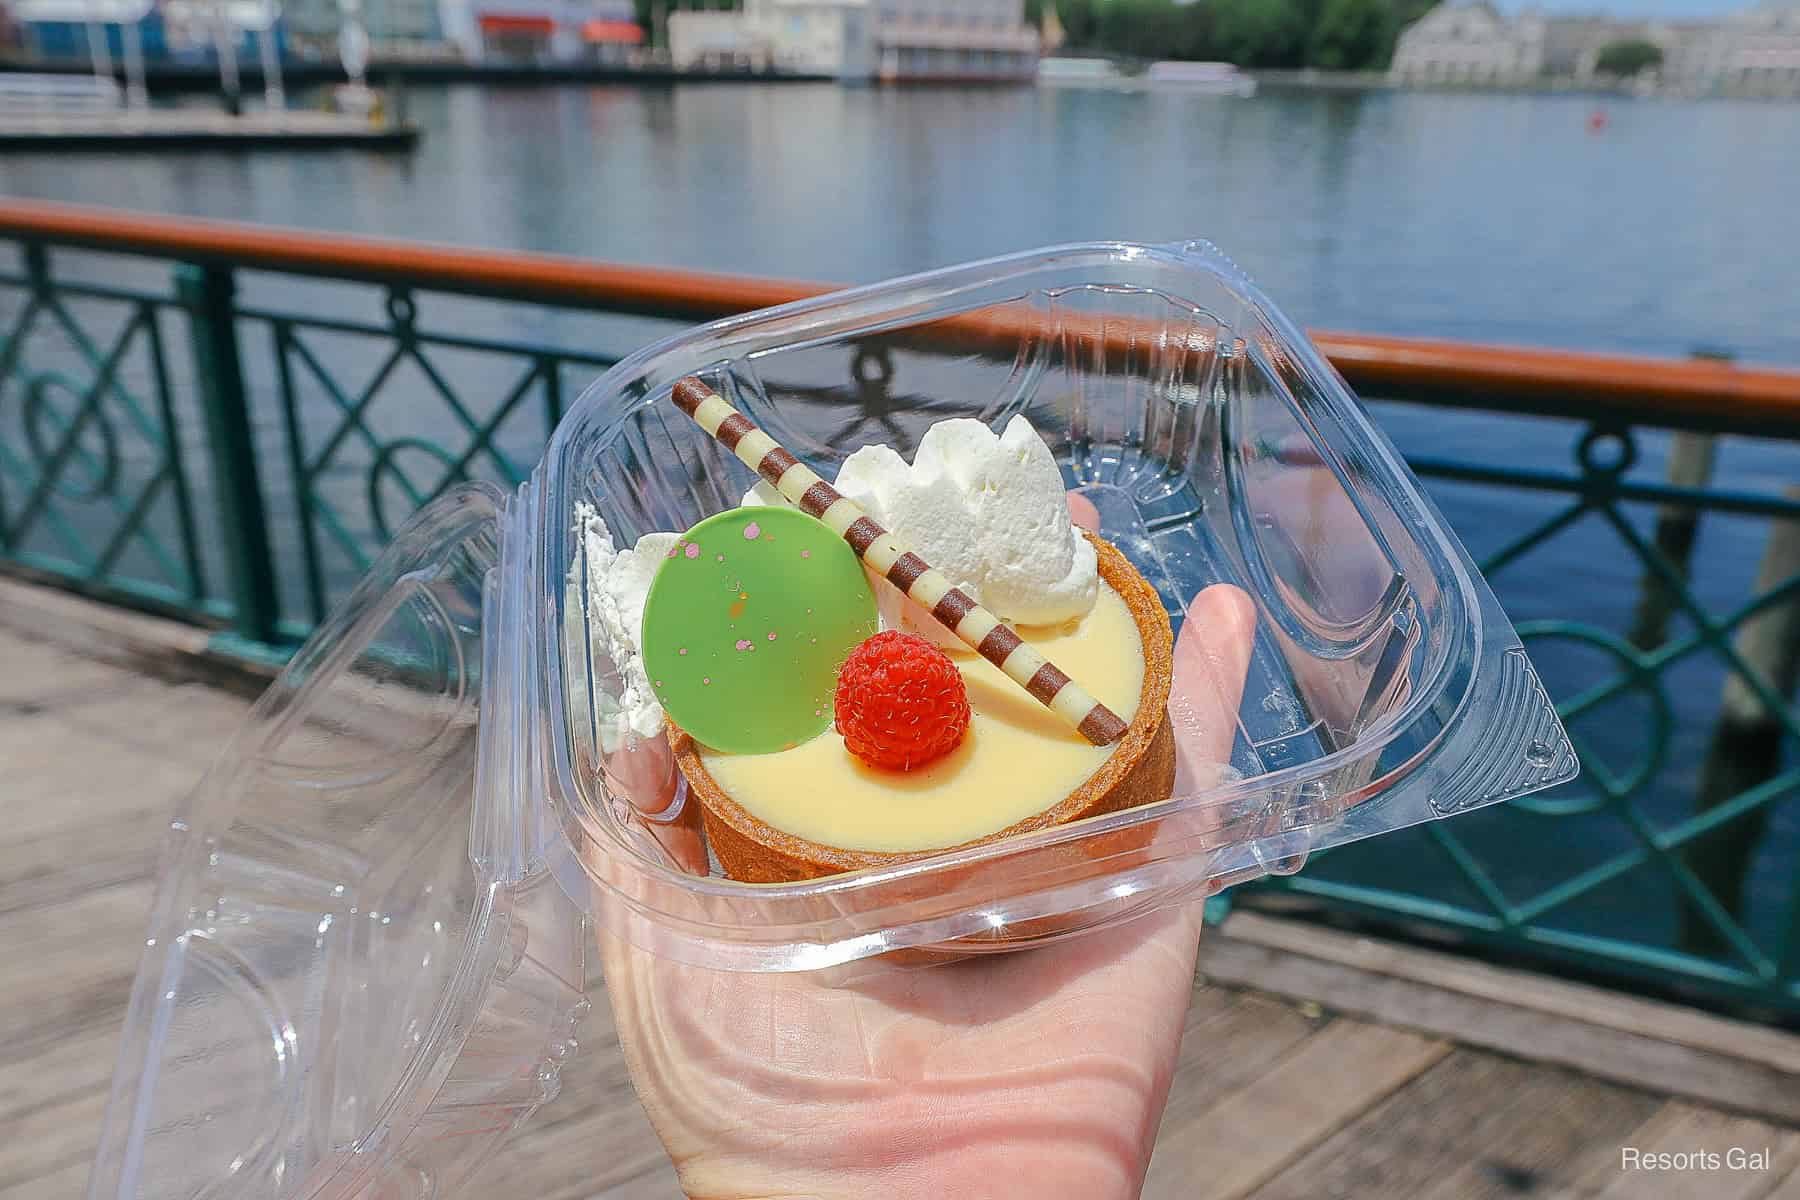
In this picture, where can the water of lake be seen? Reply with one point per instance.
(1485, 217)
(1499, 218)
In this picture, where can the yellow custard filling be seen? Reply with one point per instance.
(1018, 758)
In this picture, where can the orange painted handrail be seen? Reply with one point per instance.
(1703, 391)
(545, 278)
(1699, 392)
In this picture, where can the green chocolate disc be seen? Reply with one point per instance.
(746, 625)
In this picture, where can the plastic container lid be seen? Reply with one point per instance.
(342, 993)
(366, 954)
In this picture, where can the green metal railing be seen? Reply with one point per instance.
(103, 482)
(1699, 863)
(55, 457)
(226, 423)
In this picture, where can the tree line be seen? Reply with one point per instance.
(1335, 35)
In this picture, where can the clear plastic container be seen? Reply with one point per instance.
(366, 959)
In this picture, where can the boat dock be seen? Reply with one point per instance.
(198, 129)
(1315, 1062)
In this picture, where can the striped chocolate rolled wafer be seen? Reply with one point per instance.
(974, 625)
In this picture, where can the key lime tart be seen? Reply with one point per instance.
(918, 658)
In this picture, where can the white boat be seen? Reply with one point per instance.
(1079, 72)
(1207, 78)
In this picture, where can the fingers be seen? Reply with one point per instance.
(1212, 658)
(1211, 662)
(643, 771)
(1083, 513)
(681, 834)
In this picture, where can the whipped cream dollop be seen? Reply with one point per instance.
(986, 509)
(618, 582)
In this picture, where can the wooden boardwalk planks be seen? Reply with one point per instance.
(1231, 1147)
(1662, 1047)
(1365, 1077)
(1678, 1128)
(1476, 1124)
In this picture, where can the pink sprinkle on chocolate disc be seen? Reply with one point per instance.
(693, 551)
(771, 635)
(743, 643)
(752, 531)
(806, 554)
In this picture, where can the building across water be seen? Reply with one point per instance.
(855, 40)
(502, 31)
(1752, 52)
(1470, 43)
(106, 32)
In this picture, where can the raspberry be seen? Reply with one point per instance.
(901, 702)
